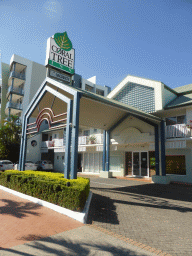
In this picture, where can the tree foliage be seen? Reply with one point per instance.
(10, 140)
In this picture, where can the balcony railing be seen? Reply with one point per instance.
(16, 90)
(92, 139)
(47, 144)
(83, 140)
(177, 131)
(59, 142)
(17, 75)
(14, 105)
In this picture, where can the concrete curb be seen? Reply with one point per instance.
(79, 216)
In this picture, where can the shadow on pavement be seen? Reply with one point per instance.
(18, 210)
(103, 209)
(51, 246)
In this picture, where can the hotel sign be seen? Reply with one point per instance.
(60, 53)
(59, 76)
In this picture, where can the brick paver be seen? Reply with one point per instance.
(23, 221)
(156, 216)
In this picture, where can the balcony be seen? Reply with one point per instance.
(177, 131)
(82, 140)
(48, 144)
(18, 75)
(15, 90)
(92, 139)
(14, 105)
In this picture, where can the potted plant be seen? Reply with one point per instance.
(92, 139)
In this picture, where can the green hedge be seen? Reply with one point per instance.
(51, 187)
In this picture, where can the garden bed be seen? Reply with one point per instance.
(49, 186)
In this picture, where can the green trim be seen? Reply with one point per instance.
(119, 105)
(169, 89)
(179, 105)
(131, 82)
(60, 66)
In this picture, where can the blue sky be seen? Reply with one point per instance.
(112, 38)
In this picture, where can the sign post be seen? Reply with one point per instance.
(60, 58)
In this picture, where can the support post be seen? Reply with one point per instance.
(157, 149)
(107, 150)
(68, 141)
(104, 149)
(23, 146)
(163, 164)
(75, 132)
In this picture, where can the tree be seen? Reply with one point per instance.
(10, 139)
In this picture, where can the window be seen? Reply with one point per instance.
(89, 88)
(95, 130)
(176, 120)
(86, 132)
(62, 157)
(176, 165)
(100, 92)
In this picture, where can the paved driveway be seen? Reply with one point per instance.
(159, 216)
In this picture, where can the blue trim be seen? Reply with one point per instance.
(144, 119)
(118, 122)
(104, 149)
(26, 117)
(68, 140)
(157, 149)
(22, 156)
(163, 163)
(52, 91)
(75, 132)
(44, 83)
(107, 150)
(62, 86)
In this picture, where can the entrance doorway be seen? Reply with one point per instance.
(140, 164)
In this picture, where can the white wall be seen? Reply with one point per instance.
(59, 162)
(94, 86)
(34, 153)
(188, 114)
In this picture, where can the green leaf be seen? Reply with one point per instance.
(63, 41)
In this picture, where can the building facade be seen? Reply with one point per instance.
(22, 78)
(132, 141)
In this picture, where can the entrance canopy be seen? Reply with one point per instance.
(95, 110)
(65, 106)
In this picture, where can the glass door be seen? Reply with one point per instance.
(136, 165)
(140, 164)
(144, 164)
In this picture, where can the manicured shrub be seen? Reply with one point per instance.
(51, 187)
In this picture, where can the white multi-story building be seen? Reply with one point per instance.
(132, 146)
(132, 141)
(21, 80)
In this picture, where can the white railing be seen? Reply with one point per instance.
(15, 105)
(86, 140)
(16, 90)
(82, 140)
(58, 142)
(177, 131)
(17, 75)
(47, 144)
